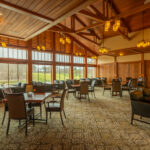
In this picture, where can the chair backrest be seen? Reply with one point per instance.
(134, 83)
(128, 79)
(68, 83)
(16, 105)
(6, 91)
(62, 99)
(103, 82)
(29, 88)
(76, 81)
(93, 84)
(39, 88)
(84, 87)
(116, 85)
(56, 81)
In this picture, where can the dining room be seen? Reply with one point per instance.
(74, 75)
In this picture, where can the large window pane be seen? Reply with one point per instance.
(62, 72)
(42, 56)
(35, 72)
(41, 73)
(62, 58)
(78, 72)
(22, 73)
(79, 60)
(91, 61)
(3, 73)
(91, 72)
(13, 77)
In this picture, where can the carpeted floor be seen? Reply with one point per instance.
(102, 124)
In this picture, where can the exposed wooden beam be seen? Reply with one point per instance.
(91, 16)
(13, 37)
(84, 25)
(88, 27)
(87, 34)
(68, 14)
(24, 11)
(56, 29)
(84, 46)
(133, 11)
(87, 39)
(96, 11)
(124, 35)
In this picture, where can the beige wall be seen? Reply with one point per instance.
(105, 59)
(129, 58)
(118, 42)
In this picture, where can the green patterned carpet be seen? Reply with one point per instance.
(102, 124)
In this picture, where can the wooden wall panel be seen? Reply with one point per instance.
(147, 73)
(129, 69)
(107, 70)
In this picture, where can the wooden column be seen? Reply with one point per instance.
(115, 67)
(71, 60)
(97, 74)
(85, 73)
(142, 65)
(53, 62)
(29, 45)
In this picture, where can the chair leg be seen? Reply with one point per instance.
(50, 115)
(64, 113)
(61, 119)
(33, 119)
(41, 110)
(4, 117)
(132, 117)
(103, 91)
(8, 126)
(94, 94)
(26, 131)
(88, 97)
(46, 116)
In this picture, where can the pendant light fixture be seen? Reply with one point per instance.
(103, 49)
(143, 43)
(65, 39)
(112, 24)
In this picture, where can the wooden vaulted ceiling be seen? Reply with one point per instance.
(81, 19)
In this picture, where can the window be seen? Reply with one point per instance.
(41, 73)
(91, 72)
(91, 61)
(12, 53)
(78, 72)
(62, 58)
(42, 56)
(62, 72)
(13, 73)
(79, 60)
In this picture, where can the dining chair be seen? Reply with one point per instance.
(5, 91)
(116, 87)
(56, 106)
(106, 86)
(91, 88)
(70, 89)
(84, 90)
(17, 110)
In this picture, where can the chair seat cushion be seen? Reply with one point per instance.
(53, 106)
(146, 92)
(137, 96)
(71, 90)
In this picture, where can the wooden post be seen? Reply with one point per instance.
(85, 62)
(97, 74)
(29, 45)
(115, 67)
(71, 60)
(53, 62)
(142, 65)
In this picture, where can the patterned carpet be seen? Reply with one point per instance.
(102, 124)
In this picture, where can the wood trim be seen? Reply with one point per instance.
(29, 43)
(68, 14)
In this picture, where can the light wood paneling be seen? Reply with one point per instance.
(129, 69)
(147, 73)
